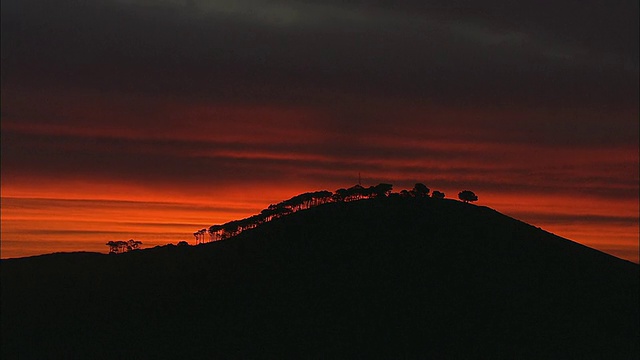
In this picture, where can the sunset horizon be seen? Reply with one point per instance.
(94, 222)
(149, 120)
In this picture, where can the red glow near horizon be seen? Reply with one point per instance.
(32, 226)
(68, 187)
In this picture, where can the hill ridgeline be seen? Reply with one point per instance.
(388, 277)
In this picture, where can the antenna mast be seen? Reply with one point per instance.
(359, 179)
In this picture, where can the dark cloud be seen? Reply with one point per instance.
(498, 52)
(341, 124)
(201, 164)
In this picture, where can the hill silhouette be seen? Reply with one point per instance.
(378, 278)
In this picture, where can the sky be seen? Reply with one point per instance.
(153, 119)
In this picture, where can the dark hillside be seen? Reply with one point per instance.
(379, 278)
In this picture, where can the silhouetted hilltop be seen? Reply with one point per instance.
(378, 278)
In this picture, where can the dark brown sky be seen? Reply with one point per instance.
(217, 105)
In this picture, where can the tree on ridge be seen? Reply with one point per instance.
(420, 190)
(467, 196)
(382, 189)
(308, 200)
(437, 194)
(119, 246)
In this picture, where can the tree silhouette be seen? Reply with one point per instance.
(283, 211)
(302, 202)
(437, 195)
(322, 197)
(231, 228)
(310, 199)
(203, 235)
(113, 247)
(340, 195)
(215, 232)
(467, 196)
(355, 192)
(119, 246)
(273, 211)
(133, 244)
(200, 236)
(382, 189)
(268, 214)
(420, 190)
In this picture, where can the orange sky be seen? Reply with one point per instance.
(83, 216)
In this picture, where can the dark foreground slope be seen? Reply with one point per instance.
(388, 278)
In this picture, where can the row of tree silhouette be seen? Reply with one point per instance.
(117, 247)
(311, 199)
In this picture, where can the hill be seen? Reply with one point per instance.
(378, 278)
